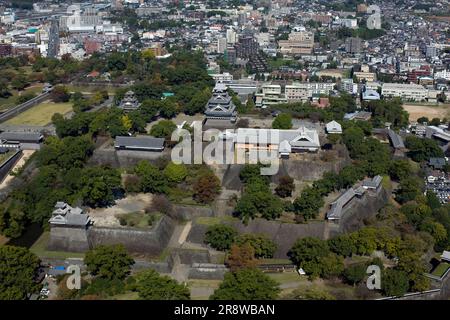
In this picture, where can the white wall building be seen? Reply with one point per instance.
(411, 91)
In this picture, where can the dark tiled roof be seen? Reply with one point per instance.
(140, 142)
(20, 136)
(396, 140)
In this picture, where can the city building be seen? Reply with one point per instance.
(411, 91)
(299, 42)
(54, 41)
(353, 45)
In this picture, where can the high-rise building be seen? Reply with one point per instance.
(353, 45)
(221, 44)
(53, 41)
(242, 19)
(246, 47)
(431, 51)
(230, 55)
(231, 36)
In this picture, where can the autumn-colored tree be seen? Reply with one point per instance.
(242, 256)
(206, 188)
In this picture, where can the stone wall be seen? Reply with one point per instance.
(186, 212)
(207, 271)
(123, 158)
(283, 234)
(6, 166)
(68, 239)
(151, 242)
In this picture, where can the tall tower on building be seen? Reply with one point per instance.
(53, 41)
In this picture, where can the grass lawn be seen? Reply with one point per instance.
(274, 261)
(6, 103)
(210, 221)
(4, 157)
(125, 296)
(92, 89)
(440, 270)
(41, 114)
(40, 249)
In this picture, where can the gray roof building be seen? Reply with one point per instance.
(145, 143)
(337, 206)
(21, 137)
(445, 256)
(437, 163)
(335, 212)
(373, 183)
(396, 140)
(334, 127)
(65, 215)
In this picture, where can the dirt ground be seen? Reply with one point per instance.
(106, 217)
(417, 111)
(26, 154)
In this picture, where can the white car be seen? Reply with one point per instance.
(45, 292)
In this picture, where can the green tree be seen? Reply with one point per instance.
(163, 129)
(264, 247)
(285, 187)
(421, 149)
(152, 286)
(308, 252)
(220, 236)
(355, 273)
(60, 94)
(394, 282)
(309, 203)
(246, 284)
(400, 169)
(175, 172)
(109, 261)
(409, 188)
(98, 185)
(282, 121)
(342, 245)
(18, 268)
(152, 179)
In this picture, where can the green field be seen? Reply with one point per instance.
(440, 270)
(4, 157)
(11, 101)
(41, 114)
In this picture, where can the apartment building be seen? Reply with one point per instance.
(299, 42)
(270, 94)
(411, 91)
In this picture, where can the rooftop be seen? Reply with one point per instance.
(139, 142)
